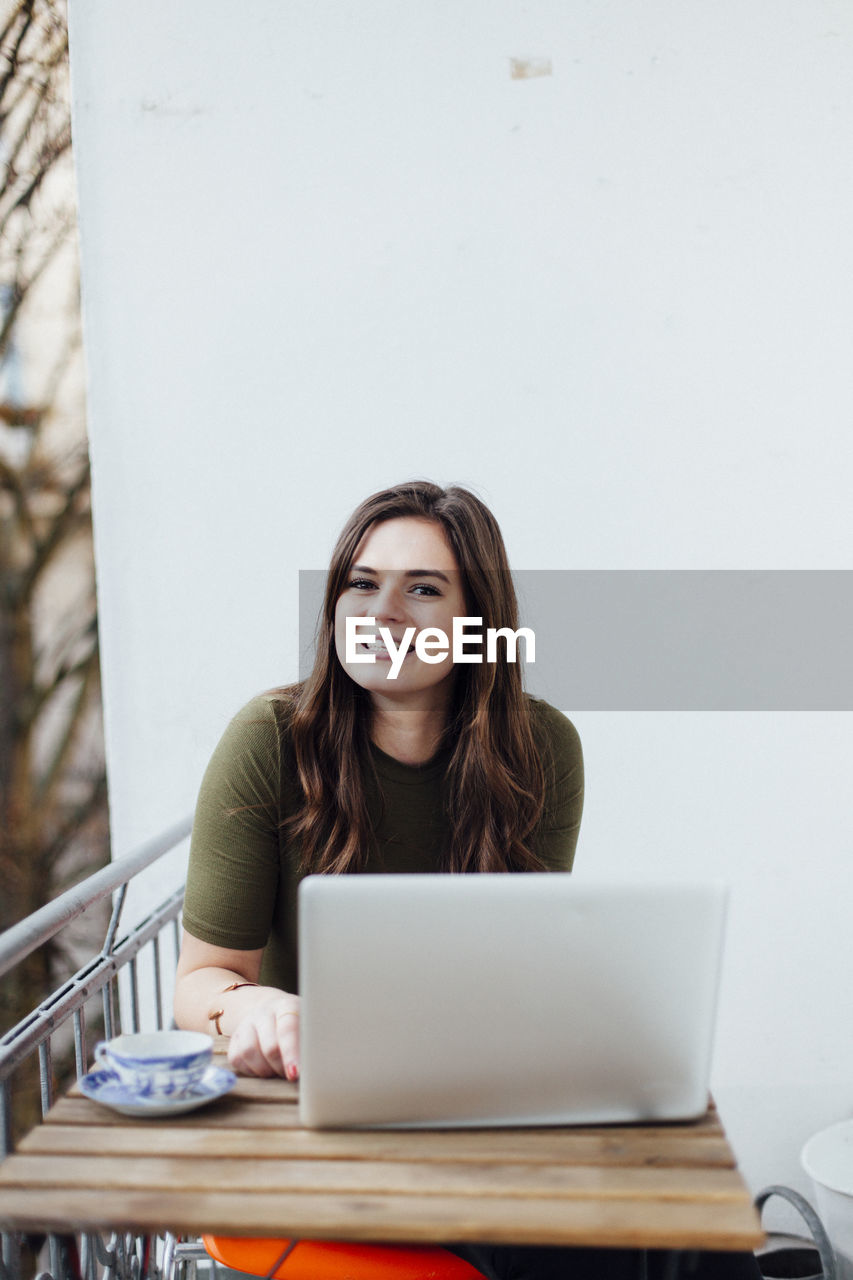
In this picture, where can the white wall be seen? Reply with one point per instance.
(327, 247)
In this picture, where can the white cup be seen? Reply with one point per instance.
(157, 1064)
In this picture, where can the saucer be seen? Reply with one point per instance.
(105, 1087)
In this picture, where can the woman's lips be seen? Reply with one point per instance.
(380, 652)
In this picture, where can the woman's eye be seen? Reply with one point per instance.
(426, 589)
(360, 584)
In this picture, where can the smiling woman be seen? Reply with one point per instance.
(450, 767)
(447, 767)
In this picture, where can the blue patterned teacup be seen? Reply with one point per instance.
(157, 1064)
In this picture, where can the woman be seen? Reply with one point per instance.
(444, 767)
(371, 765)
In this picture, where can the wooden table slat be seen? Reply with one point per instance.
(372, 1177)
(656, 1147)
(238, 1112)
(621, 1222)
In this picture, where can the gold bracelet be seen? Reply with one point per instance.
(216, 1014)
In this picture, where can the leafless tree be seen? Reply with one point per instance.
(53, 825)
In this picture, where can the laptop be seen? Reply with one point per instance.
(532, 999)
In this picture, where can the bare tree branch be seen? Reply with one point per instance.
(64, 358)
(20, 415)
(23, 286)
(10, 480)
(61, 527)
(53, 152)
(53, 775)
(65, 671)
(25, 11)
(39, 93)
(78, 818)
(46, 790)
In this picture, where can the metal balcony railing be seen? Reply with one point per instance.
(121, 1257)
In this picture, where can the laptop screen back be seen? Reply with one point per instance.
(442, 1000)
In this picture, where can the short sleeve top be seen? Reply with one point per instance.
(244, 869)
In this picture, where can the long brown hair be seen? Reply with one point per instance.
(495, 778)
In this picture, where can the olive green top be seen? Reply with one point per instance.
(243, 871)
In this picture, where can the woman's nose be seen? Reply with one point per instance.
(387, 603)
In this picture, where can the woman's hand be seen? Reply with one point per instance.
(216, 990)
(265, 1042)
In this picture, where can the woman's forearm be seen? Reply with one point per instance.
(215, 999)
(217, 990)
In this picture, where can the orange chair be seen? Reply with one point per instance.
(328, 1260)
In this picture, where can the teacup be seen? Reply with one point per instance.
(157, 1064)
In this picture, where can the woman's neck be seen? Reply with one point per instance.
(410, 734)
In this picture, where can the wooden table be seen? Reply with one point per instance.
(244, 1166)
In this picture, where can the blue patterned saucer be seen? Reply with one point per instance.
(106, 1088)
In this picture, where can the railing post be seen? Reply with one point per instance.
(46, 1075)
(5, 1119)
(158, 990)
(80, 1041)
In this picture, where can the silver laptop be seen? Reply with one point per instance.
(536, 999)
